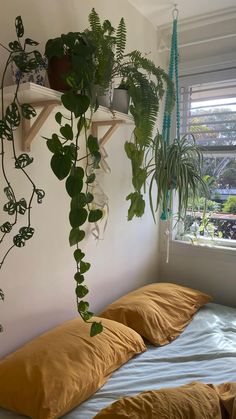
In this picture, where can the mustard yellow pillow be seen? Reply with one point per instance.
(57, 371)
(159, 312)
(192, 401)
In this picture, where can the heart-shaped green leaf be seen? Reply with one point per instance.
(78, 217)
(96, 328)
(81, 291)
(78, 255)
(74, 185)
(84, 267)
(76, 103)
(76, 235)
(79, 278)
(61, 165)
(95, 215)
(67, 132)
(54, 144)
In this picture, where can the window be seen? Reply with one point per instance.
(208, 112)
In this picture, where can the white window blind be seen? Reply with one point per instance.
(208, 111)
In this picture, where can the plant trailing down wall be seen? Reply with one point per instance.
(11, 115)
(93, 58)
(74, 150)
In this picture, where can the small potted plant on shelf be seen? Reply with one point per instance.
(121, 98)
(26, 66)
(67, 57)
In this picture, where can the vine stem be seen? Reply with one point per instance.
(2, 144)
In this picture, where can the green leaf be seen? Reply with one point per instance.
(84, 267)
(61, 165)
(31, 42)
(81, 291)
(129, 149)
(77, 172)
(96, 328)
(139, 178)
(91, 178)
(5, 131)
(40, 195)
(95, 215)
(15, 46)
(2, 297)
(67, 132)
(6, 227)
(83, 306)
(13, 115)
(92, 143)
(71, 151)
(26, 232)
(28, 111)
(79, 278)
(18, 241)
(23, 160)
(89, 198)
(58, 117)
(81, 124)
(9, 193)
(78, 255)
(21, 206)
(76, 103)
(10, 207)
(71, 80)
(137, 205)
(54, 144)
(19, 27)
(76, 236)
(77, 217)
(74, 185)
(87, 315)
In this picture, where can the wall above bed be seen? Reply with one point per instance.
(40, 294)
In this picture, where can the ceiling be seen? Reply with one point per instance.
(159, 12)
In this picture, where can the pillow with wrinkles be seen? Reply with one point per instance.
(57, 371)
(159, 312)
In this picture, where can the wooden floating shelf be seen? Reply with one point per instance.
(47, 100)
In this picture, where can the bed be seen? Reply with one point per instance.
(205, 351)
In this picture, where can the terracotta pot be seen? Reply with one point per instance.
(57, 69)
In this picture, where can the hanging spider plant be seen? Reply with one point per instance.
(175, 167)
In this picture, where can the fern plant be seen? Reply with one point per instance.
(146, 86)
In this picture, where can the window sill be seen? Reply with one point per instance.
(220, 246)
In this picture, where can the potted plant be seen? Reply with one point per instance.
(175, 168)
(26, 66)
(121, 98)
(67, 58)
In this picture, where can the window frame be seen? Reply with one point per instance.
(187, 80)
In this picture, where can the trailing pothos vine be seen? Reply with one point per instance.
(11, 115)
(75, 154)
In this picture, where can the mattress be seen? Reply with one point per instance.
(205, 351)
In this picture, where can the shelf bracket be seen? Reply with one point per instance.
(112, 124)
(29, 132)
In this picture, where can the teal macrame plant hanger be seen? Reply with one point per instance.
(174, 76)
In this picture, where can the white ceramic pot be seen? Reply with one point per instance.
(36, 76)
(121, 100)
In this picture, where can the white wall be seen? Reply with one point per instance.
(207, 269)
(38, 279)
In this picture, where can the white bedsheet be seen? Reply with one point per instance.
(205, 351)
